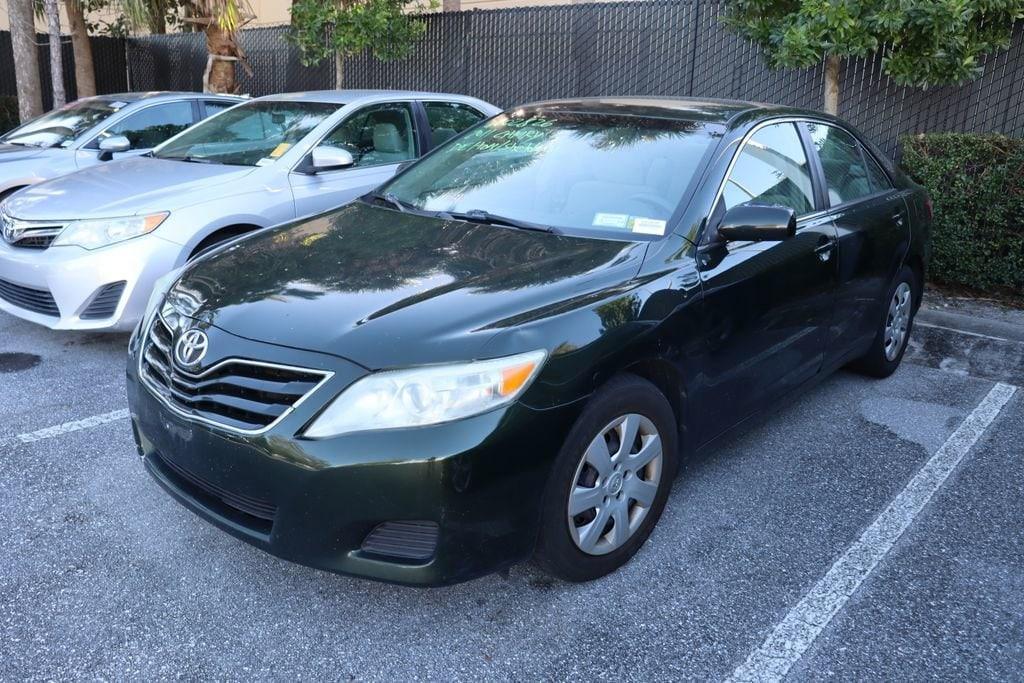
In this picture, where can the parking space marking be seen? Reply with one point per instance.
(74, 426)
(970, 334)
(791, 638)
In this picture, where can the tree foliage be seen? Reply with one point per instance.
(324, 28)
(923, 42)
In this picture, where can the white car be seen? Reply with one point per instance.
(83, 251)
(92, 130)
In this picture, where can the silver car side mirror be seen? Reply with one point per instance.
(326, 158)
(115, 143)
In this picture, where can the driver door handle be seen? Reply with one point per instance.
(825, 247)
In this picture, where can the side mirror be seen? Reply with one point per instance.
(326, 158)
(115, 143)
(757, 224)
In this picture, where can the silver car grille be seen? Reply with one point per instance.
(237, 394)
(28, 234)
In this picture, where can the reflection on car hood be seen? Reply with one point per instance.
(384, 288)
(124, 188)
(18, 152)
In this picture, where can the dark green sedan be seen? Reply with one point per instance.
(506, 351)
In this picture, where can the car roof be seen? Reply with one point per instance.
(131, 97)
(350, 96)
(684, 108)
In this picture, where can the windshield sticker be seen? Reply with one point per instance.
(117, 105)
(264, 161)
(280, 149)
(646, 226)
(611, 220)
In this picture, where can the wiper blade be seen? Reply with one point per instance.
(190, 159)
(488, 218)
(392, 200)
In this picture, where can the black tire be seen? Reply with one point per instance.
(557, 551)
(878, 362)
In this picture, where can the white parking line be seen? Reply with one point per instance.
(798, 630)
(918, 323)
(66, 427)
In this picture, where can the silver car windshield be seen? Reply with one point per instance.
(586, 173)
(62, 126)
(250, 134)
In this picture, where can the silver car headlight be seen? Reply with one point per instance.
(94, 233)
(427, 395)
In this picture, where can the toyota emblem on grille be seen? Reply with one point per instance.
(11, 230)
(191, 347)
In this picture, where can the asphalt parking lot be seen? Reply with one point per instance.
(870, 529)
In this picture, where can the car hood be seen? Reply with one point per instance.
(385, 289)
(124, 188)
(19, 152)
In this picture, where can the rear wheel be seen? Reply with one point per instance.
(891, 339)
(610, 481)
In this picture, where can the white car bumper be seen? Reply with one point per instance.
(70, 288)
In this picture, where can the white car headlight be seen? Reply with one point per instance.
(427, 395)
(94, 233)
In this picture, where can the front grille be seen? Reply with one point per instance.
(250, 505)
(406, 540)
(243, 395)
(29, 234)
(35, 300)
(105, 302)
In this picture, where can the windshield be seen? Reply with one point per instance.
(614, 175)
(62, 126)
(250, 134)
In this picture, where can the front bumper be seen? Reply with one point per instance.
(73, 277)
(478, 482)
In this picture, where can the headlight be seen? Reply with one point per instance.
(427, 395)
(156, 298)
(99, 232)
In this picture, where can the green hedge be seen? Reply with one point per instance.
(977, 185)
(8, 113)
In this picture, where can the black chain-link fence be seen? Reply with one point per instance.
(639, 47)
(108, 56)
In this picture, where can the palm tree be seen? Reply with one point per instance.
(221, 21)
(52, 12)
(26, 58)
(85, 76)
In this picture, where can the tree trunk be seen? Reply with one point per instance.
(339, 70)
(52, 11)
(220, 43)
(832, 67)
(26, 59)
(85, 75)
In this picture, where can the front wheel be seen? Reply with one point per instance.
(610, 482)
(891, 339)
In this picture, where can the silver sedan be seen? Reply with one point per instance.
(83, 251)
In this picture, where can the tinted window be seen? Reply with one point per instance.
(378, 134)
(448, 119)
(609, 174)
(879, 180)
(150, 126)
(62, 126)
(843, 163)
(250, 134)
(771, 170)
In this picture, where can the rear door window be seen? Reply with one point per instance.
(448, 119)
(842, 160)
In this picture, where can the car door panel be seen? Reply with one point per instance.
(318, 192)
(767, 304)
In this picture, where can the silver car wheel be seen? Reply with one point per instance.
(615, 484)
(897, 321)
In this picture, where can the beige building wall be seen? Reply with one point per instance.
(96, 17)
